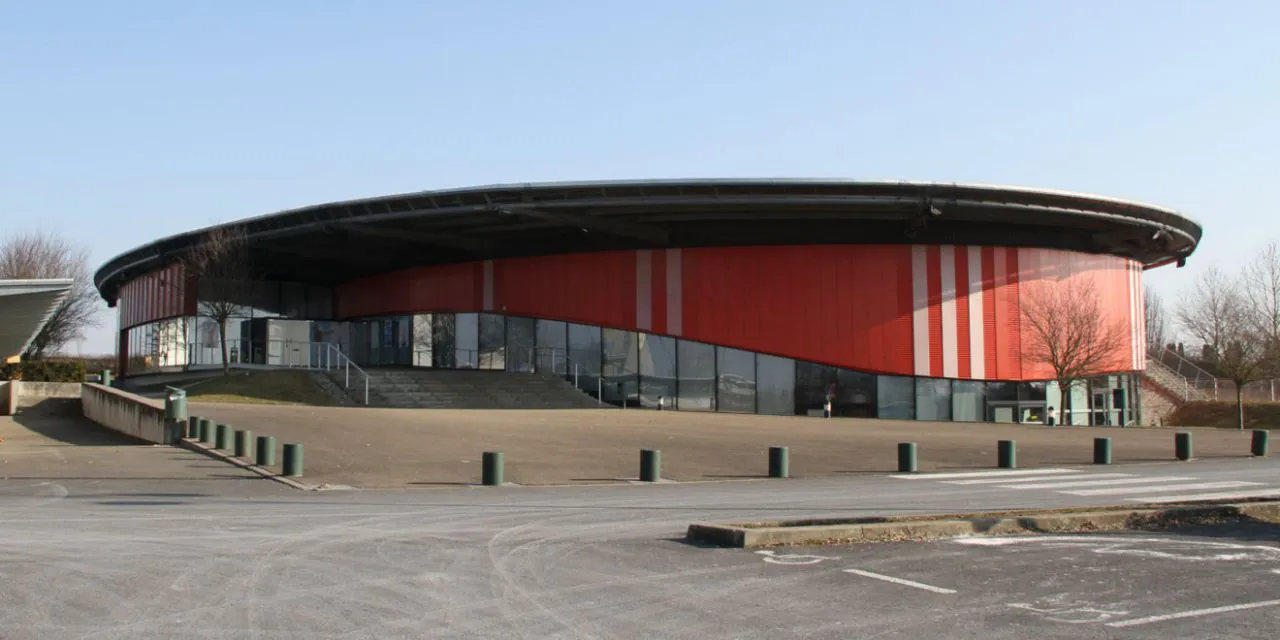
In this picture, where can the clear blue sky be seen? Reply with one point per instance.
(125, 121)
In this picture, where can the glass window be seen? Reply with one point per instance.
(584, 357)
(933, 399)
(467, 340)
(657, 370)
(620, 367)
(422, 340)
(775, 385)
(552, 345)
(696, 366)
(520, 344)
(1032, 402)
(493, 342)
(813, 384)
(855, 394)
(735, 380)
(1002, 401)
(896, 397)
(968, 401)
(442, 340)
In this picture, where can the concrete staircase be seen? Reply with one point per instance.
(1176, 386)
(455, 389)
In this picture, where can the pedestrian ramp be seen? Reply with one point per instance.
(1131, 487)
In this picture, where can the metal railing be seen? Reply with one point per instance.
(330, 358)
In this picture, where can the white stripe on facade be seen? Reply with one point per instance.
(675, 299)
(488, 285)
(644, 290)
(950, 328)
(1141, 318)
(920, 308)
(977, 322)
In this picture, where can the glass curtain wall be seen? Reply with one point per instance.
(775, 385)
(493, 342)
(696, 368)
(933, 399)
(896, 397)
(620, 367)
(552, 345)
(657, 371)
(735, 380)
(968, 401)
(521, 338)
(584, 357)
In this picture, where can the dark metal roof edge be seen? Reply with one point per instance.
(156, 250)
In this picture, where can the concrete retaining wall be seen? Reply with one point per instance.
(124, 412)
(15, 394)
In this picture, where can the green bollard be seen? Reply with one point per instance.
(1261, 440)
(206, 430)
(650, 465)
(1182, 445)
(106, 377)
(243, 438)
(291, 465)
(1007, 454)
(491, 469)
(265, 451)
(779, 462)
(193, 427)
(1102, 450)
(222, 437)
(908, 457)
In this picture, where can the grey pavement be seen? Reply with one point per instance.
(149, 559)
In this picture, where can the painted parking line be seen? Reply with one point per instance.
(1152, 488)
(1045, 478)
(1095, 483)
(1195, 613)
(1036, 479)
(982, 474)
(905, 583)
(1228, 495)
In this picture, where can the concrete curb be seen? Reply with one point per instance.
(941, 526)
(192, 445)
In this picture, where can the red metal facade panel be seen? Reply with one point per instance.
(828, 304)
(591, 288)
(844, 305)
(962, 311)
(1111, 279)
(153, 296)
(934, 262)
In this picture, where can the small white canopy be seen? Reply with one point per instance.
(25, 305)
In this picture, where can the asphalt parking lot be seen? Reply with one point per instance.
(1188, 584)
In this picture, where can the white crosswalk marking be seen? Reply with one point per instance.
(1155, 488)
(1087, 483)
(1036, 478)
(982, 474)
(1128, 479)
(1270, 492)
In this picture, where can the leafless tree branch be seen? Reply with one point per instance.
(38, 255)
(1155, 320)
(220, 263)
(1229, 318)
(1069, 332)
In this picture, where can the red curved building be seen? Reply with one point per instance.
(899, 300)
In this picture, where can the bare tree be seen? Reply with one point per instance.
(1260, 286)
(1070, 332)
(1154, 320)
(40, 255)
(1220, 312)
(1205, 311)
(224, 279)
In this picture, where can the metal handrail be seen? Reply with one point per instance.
(334, 358)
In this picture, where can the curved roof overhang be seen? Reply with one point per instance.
(329, 243)
(25, 307)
